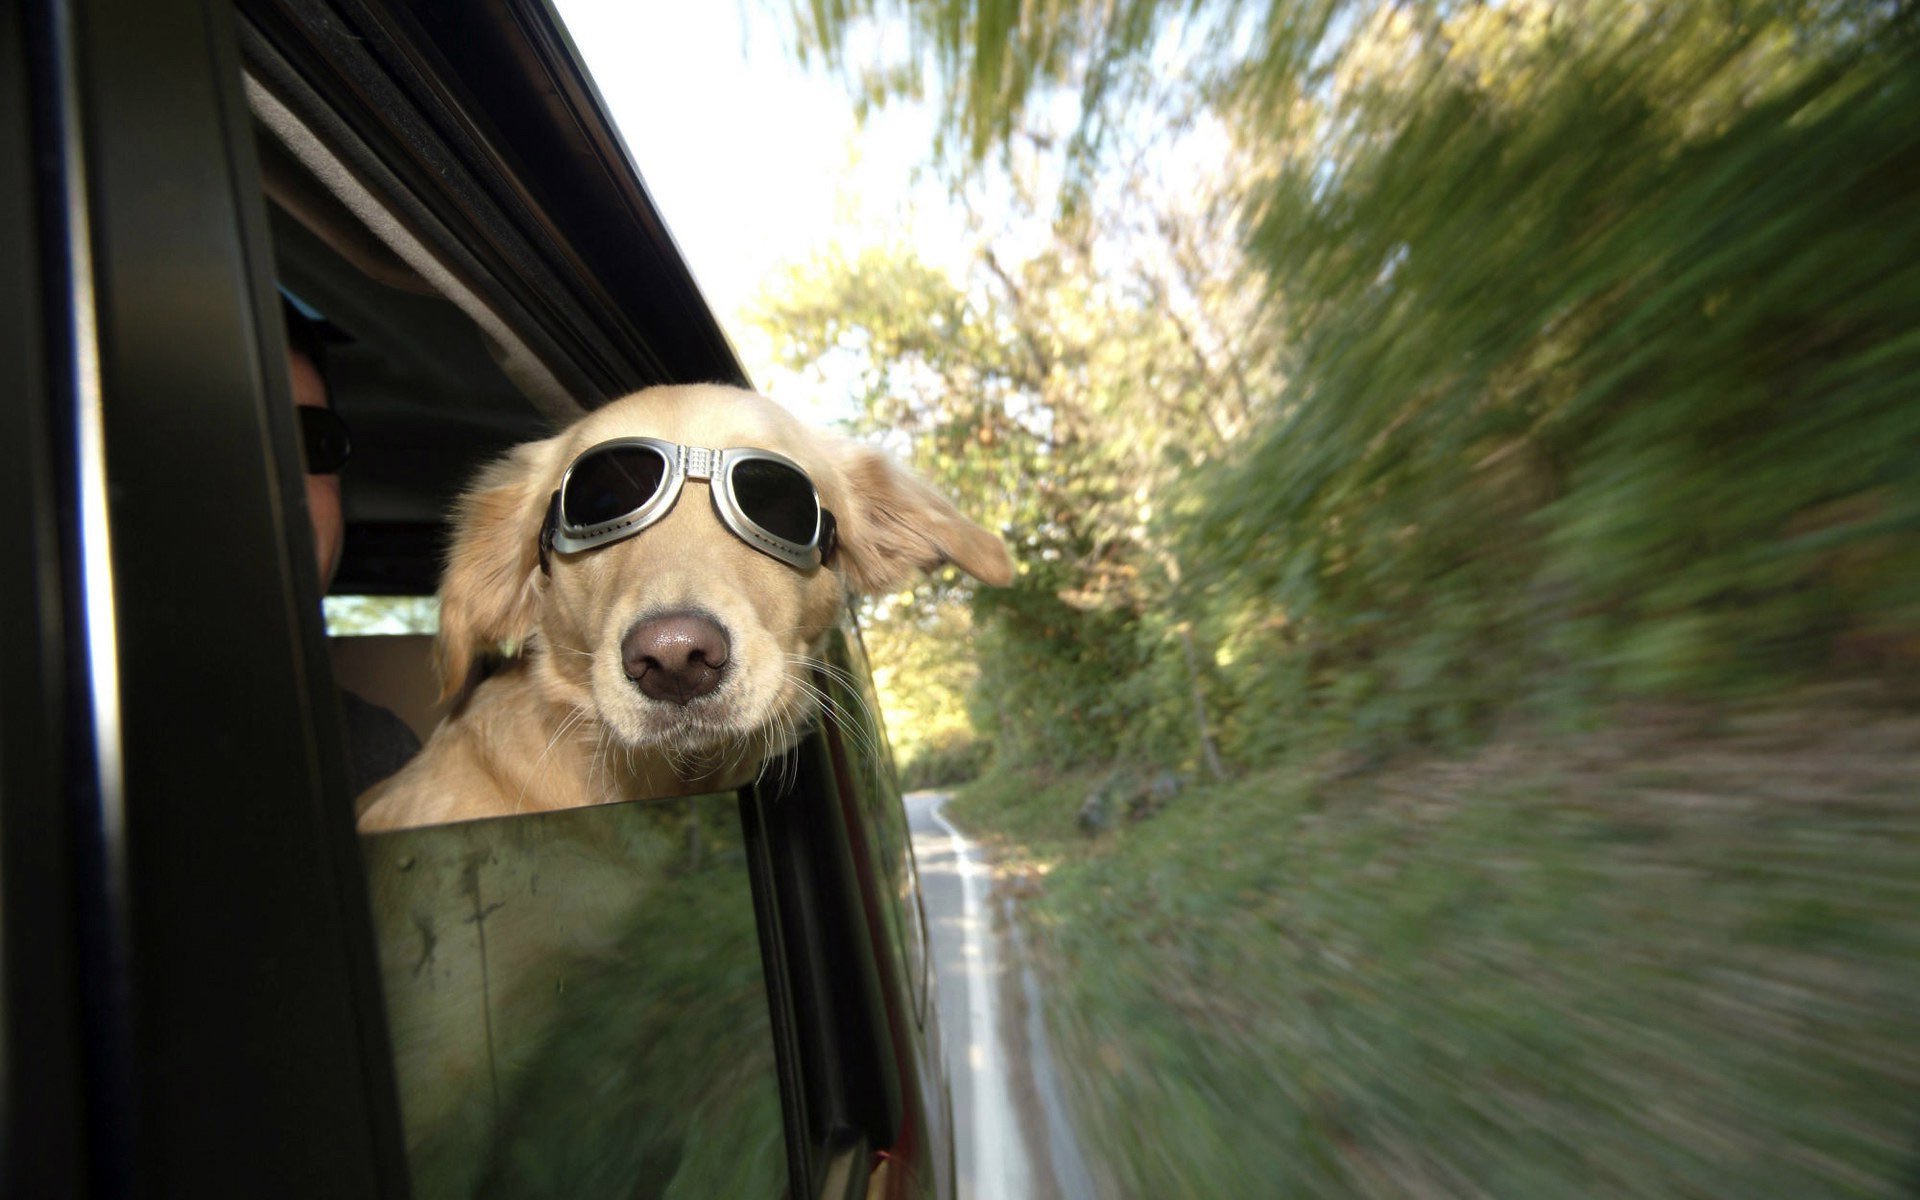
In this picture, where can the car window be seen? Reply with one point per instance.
(375, 616)
(575, 1000)
(577, 1005)
(848, 683)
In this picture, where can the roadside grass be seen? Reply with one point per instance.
(1675, 959)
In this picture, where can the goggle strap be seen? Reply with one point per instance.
(829, 536)
(548, 528)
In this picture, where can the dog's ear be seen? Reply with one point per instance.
(895, 525)
(490, 585)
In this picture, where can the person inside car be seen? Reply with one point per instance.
(378, 742)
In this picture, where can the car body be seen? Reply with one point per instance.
(196, 1000)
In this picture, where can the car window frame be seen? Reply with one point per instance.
(43, 719)
(227, 990)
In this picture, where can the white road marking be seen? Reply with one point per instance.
(1070, 1173)
(1000, 1167)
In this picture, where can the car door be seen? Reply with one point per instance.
(184, 817)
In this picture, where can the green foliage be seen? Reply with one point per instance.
(1059, 403)
(1631, 410)
(924, 672)
(660, 1079)
(577, 1004)
(943, 764)
(1624, 964)
(988, 57)
(353, 616)
(1597, 326)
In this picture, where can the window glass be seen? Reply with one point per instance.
(849, 683)
(362, 616)
(577, 1004)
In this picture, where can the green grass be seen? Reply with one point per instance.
(1652, 963)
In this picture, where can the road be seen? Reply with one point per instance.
(1015, 1136)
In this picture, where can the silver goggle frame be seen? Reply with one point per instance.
(715, 469)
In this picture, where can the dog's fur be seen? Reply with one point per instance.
(561, 725)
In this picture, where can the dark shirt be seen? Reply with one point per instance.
(378, 742)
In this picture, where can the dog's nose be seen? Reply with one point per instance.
(677, 658)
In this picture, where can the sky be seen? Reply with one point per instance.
(754, 161)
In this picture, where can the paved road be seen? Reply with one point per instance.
(1015, 1137)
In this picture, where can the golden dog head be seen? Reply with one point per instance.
(683, 637)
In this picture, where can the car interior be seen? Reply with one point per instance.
(509, 949)
(425, 395)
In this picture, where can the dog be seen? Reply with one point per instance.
(661, 632)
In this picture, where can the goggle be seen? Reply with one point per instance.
(324, 437)
(620, 487)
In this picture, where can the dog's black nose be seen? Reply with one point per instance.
(678, 657)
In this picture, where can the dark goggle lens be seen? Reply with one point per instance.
(777, 498)
(609, 484)
(324, 438)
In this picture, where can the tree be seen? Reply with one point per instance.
(1071, 397)
(1593, 316)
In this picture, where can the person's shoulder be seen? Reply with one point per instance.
(378, 742)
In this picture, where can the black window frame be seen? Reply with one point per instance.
(230, 1032)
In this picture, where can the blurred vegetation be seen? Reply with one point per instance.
(1367, 384)
(1509, 356)
(659, 1078)
(362, 616)
(926, 686)
(577, 1004)
(1662, 960)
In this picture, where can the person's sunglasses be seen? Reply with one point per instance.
(618, 488)
(325, 438)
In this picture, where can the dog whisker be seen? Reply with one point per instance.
(572, 719)
(861, 733)
(865, 729)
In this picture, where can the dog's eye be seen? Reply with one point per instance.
(611, 484)
(777, 498)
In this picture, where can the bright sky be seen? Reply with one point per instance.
(754, 161)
